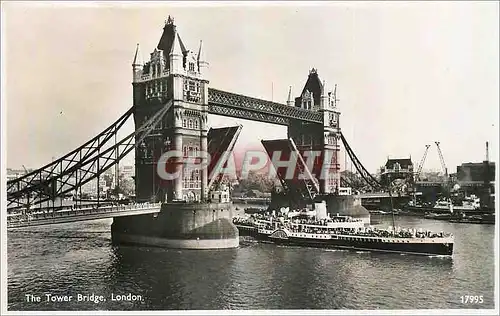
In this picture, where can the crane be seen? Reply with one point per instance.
(421, 164)
(443, 165)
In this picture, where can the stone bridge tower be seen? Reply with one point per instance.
(324, 138)
(175, 73)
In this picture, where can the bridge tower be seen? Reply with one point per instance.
(176, 77)
(320, 138)
(173, 73)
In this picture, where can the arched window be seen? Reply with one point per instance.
(185, 151)
(184, 123)
(191, 66)
(196, 151)
(190, 126)
(195, 124)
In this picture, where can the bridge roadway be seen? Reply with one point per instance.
(76, 214)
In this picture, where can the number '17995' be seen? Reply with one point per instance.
(471, 299)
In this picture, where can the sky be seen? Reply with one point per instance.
(408, 74)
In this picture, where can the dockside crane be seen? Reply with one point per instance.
(447, 188)
(443, 165)
(421, 163)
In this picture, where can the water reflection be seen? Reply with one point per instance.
(79, 258)
(174, 279)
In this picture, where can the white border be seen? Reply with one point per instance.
(3, 235)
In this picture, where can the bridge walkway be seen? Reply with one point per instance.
(45, 217)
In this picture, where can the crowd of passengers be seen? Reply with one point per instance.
(363, 232)
(309, 221)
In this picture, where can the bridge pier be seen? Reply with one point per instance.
(180, 225)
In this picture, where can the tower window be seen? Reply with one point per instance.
(190, 124)
(191, 66)
(184, 123)
(192, 86)
(196, 124)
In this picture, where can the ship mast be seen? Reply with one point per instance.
(392, 207)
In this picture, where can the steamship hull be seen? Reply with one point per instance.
(415, 246)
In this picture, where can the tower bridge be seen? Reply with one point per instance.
(171, 103)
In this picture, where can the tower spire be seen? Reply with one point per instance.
(176, 46)
(176, 55)
(137, 65)
(137, 57)
(335, 100)
(324, 96)
(289, 101)
(202, 61)
(201, 53)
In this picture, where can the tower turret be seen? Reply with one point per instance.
(137, 65)
(202, 61)
(176, 56)
(323, 103)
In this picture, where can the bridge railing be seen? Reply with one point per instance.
(77, 211)
(48, 208)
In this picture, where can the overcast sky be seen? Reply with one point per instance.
(408, 74)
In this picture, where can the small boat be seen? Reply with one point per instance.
(253, 210)
(475, 219)
(443, 216)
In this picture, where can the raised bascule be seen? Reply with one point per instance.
(171, 103)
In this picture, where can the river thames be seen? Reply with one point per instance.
(78, 258)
